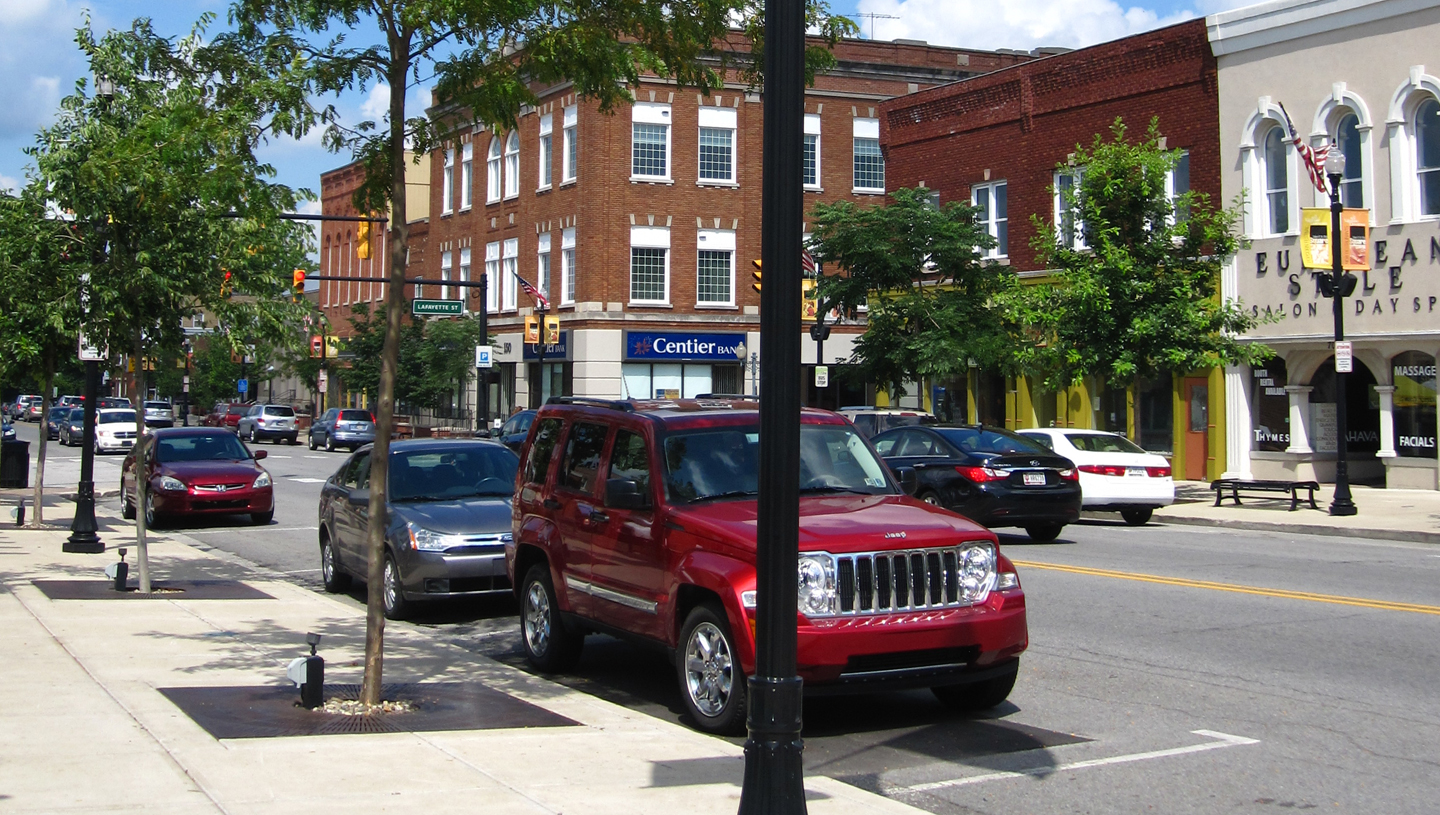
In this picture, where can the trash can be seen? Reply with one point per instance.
(15, 464)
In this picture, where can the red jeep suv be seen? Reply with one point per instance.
(638, 519)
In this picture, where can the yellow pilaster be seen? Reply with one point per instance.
(1217, 463)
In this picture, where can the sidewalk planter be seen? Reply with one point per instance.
(15, 464)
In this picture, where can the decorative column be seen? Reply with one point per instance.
(1299, 419)
(1387, 421)
(1238, 422)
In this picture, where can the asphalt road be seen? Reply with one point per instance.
(1172, 669)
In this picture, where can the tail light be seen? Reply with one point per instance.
(981, 474)
(1158, 472)
(1070, 475)
(1102, 469)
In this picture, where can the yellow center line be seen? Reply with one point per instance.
(1338, 600)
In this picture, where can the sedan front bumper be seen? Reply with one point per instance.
(435, 575)
(230, 502)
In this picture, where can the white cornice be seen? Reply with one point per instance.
(1278, 21)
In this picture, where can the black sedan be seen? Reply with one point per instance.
(990, 475)
(449, 509)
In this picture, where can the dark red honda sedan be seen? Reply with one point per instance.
(198, 471)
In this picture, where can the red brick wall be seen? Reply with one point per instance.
(1019, 123)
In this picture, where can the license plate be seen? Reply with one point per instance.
(1135, 472)
(1034, 479)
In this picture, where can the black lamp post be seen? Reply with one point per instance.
(1339, 286)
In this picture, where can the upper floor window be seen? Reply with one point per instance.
(572, 147)
(464, 292)
(869, 162)
(993, 212)
(717, 144)
(715, 268)
(446, 259)
(650, 264)
(567, 266)
(467, 173)
(447, 183)
(650, 141)
(509, 272)
(546, 124)
(1347, 141)
(492, 277)
(492, 172)
(1275, 160)
(542, 264)
(1068, 228)
(810, 155)
(1427, 149)
(512, 164)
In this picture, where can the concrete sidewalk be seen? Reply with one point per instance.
(86, 729)
(1408, 515)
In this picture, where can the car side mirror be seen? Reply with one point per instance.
(906, 477)
(360, 498)
(259, 454)
(624, 493)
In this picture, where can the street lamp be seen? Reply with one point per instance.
(1335, 170)
(752, 366)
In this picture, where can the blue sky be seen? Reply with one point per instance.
(41, 64)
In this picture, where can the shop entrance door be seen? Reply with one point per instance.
(1197, 428)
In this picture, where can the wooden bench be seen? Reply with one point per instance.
(1235, 486)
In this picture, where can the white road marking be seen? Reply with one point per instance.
(277, 455)
(252, 529)
(1221, 740)
(322, 458)
(304, 480)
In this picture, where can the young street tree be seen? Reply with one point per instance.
(159, 172)
(932, 302)
(486, 57)
(1135, 289)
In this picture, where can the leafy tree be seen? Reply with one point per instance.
(932, 301)
(486, 56)
(434, 362)
(174, 208)
(1140, 294)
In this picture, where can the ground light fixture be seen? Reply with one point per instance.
(1342, 503)
(308, 673)
(119, 571)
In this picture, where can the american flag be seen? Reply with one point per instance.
(540, 300)
(1314, 157)
(807, 262)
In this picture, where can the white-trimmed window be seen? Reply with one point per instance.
(512, 164)
(465, 277)
(509, 270)
(1427, 155)
(868, 161)
(1412, 134)
(810, 155)
(447, 183)
(1177, 181)
(1069, 231)
(717, 145)
(547, 124)
(567, 266)
(993, 212)
(1275, 175)
(650, 141)
(650, 265)
(715, 267)
(492, 277)
(542, 264)
(1350, 144)
(572, 145)
(467, 173)
(447, 260)
(492, 171)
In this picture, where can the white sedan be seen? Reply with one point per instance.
(1115, 473)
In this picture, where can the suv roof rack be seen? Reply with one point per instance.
(740, 396)
(613, 404)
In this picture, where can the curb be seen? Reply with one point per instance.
(1367, 533)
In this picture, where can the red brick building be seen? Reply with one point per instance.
(996, 140)
(640, 225)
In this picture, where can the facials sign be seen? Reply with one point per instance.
(683, 346)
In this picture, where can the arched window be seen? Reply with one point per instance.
(492, 172)
(1427, 149)
(1347, 137)
(1277, 182)
(512, 164)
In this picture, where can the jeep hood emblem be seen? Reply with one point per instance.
(894, 534)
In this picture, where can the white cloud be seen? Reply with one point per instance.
(1022, 24)
(377, 103)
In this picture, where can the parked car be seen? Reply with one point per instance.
(1116, 474)
(872, 421)
(114, 430)
(341, 427)
(35, 410)
(449, 521)
(116, 402)
(198, 471)
(159, 414)
(58, 415)
(226, 414)
(21, 408)
(72, 428)
(273, 422)
(7, 431)
(640, 518)
(988, 474)
(71, 401)
(516, 428)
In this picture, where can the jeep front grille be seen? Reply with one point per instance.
(886, 582)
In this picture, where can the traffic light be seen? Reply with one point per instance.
(225, 284)
(552, 330)
(362, 236)
(532, 330)
(756, 273)
(317, 346)
(299, 283)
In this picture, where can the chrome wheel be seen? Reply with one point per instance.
(391, 596)
(709, 669)
(536, 619)
(930, 499)
(149, 509)
(327, 564)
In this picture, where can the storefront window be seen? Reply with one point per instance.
(678, 380)
(1155, 409)
(1362, 410)
(990, 398)
(1414, 378)
(1270, 407)
(558, 379)
(1114, 415)
(1044, 403)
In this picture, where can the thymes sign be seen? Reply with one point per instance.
(434, 308)
(1344, 354)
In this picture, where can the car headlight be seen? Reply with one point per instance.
(262, 481)
(171, 484)
(977, 572)
(426, 540)
(816, 583)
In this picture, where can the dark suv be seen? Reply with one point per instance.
(639, 518)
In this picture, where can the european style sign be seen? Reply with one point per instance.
(433, 308)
